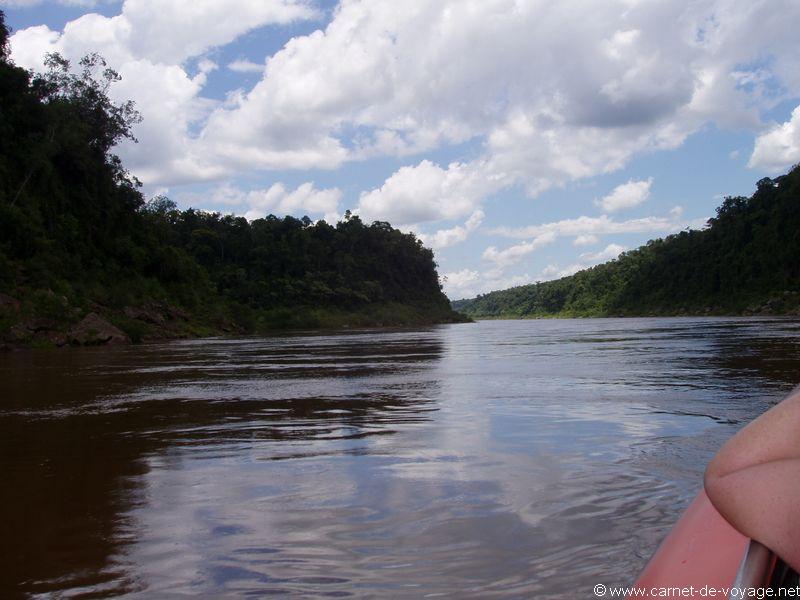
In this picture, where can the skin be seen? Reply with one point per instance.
(754, 480)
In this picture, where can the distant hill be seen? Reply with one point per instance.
(81, 251)
(746, 261)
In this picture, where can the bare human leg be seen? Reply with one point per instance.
(754, 480)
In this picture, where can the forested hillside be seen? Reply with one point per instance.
(746, 261)
(77, 237)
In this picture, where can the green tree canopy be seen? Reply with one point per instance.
(72, 220)
(746, 259)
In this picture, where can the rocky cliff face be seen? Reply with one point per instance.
(48, 321)
(94, 330)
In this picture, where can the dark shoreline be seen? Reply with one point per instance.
(748, 315)
(24, 328)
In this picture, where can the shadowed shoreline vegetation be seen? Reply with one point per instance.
(77, 237)
(746, 261)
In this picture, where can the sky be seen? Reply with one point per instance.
(522, 140)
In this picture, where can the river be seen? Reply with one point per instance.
(502, 459)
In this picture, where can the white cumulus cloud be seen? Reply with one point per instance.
(246, 66)
(427, 192)
(459, 283)
(547, 95)
(610, 252)
(28, 3)
(779, 147)
(304, 198)
(585, 240)
(468, 283)
(277, 199)
(159, 47)
(601, 225)
(627, 195)
(444, 238)
(513, 254)
(553, 271)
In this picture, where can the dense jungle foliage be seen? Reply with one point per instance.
(76, 234)
(746, 261)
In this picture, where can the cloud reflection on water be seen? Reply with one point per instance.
(491, 459)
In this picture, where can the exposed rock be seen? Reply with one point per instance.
(37, 325)
(175, 313)
(18, 333)
(230, 327)
(21, 332)
(9, 303)
(95, 330)
(144, 314)
(56, 338)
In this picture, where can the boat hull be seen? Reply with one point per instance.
(702, 550)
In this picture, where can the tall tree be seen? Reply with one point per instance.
(5, 34)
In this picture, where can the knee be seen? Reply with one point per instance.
(714, 478)
(711, 482)
(710, 479)
(716, 468)
(732, 457)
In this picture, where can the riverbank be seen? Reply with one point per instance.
(43, 319)
(786, 303)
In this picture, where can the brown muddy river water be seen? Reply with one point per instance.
(503, 459)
